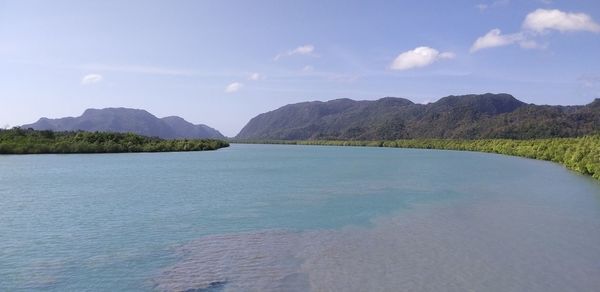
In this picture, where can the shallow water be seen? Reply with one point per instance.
(276, 217)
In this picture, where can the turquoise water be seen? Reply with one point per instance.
(177, 221)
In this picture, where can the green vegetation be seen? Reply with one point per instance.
(486, 116)
(579, 154)
(20, 141)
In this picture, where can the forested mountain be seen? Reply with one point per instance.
(466, 117)
(128, 120)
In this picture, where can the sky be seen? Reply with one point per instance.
(223, 62)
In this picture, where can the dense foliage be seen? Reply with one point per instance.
(486, 116)
(580, 154)
(20, 141)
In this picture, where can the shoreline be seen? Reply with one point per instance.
(581, 154)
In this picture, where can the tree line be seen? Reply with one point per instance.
(29, 141)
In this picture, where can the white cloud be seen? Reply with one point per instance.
(535, 26)
(531, 44)
(481, 6)
(447, 55)
(495, 38)
(308, 68)
(542, 20)
(233, 87)
(494, 4)
(255, 76)
(91, 79)
(419, 57)
(302, 50)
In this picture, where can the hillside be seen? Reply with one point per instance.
(457, 117)
(124, 120)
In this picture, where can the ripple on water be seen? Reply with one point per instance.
(482, 246)
(266, 259)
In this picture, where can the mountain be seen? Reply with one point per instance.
(127, 120)
(466, 116)
(185, 129)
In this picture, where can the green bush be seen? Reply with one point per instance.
(28, 141)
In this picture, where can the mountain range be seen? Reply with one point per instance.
(474, 116)
(466, 117)
(128, 120)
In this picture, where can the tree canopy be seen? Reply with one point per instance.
(29, 141)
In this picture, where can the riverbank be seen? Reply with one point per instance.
(580, 154)
(20, 141)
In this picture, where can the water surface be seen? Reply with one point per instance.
(277, 217)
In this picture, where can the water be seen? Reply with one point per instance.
(296, 218)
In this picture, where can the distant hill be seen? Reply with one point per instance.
(127, 120)
(466, 116)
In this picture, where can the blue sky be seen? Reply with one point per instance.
(223, 62)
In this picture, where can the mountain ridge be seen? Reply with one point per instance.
(472, 116)
(121, 119)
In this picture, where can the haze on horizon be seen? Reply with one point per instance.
(221, 63)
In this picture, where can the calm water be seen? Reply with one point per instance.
(296, 218)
